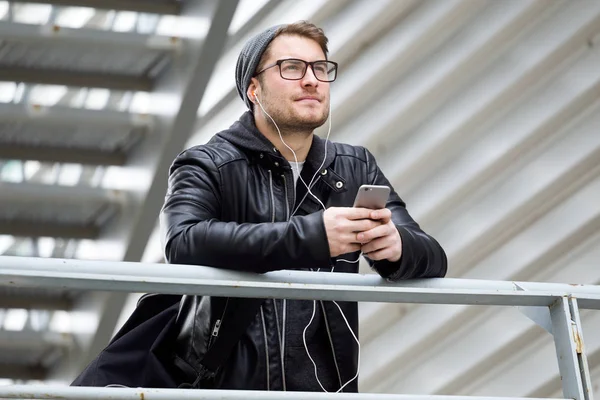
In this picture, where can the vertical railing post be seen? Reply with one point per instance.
(568, 341)
(584, 369)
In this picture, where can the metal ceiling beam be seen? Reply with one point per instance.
(545, 259)
(268, 7)
(460, 123)
(24, 228)
(484, 355)
(552, 111)
(58, 35)
(18, 195)
(576, 227)
(553, 114)
(367, 20)
(34, 340)
(61, 154)
(490, 266)
(22, 372)
(384, 315)
(52, 35)
(38, 118)
(531, 367)
(553, 388)
(398, 52)
(234, 40)
(29, 302)
(383, 321)
(75, 78)
(520, 209)
(564, 198)
(416, 95)
(524, 365)
(186, 81)
(528, 344)
(555, 111)
(12, 192)
(172, 7)
(69, 115)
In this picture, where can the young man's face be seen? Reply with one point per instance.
(295, 105)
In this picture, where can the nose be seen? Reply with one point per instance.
(309, 78)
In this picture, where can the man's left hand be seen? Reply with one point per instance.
(382, 242)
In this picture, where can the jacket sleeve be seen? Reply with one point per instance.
(422, 256)
(192, 232)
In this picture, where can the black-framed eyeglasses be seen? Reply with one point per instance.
(294, 69)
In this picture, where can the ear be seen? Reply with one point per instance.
(252, 90)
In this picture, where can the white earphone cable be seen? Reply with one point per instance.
(294, 153)
(348, 261)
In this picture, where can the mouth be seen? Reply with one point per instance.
(308, 99)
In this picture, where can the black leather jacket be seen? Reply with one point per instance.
(232, 204)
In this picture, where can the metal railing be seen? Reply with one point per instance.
(554, 306)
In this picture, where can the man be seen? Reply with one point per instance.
(241, 202)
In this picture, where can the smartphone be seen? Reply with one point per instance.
(374, 197)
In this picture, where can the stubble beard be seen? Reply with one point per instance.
(290, 122)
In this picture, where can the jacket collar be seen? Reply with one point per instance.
(244, 134)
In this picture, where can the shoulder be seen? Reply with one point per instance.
(217, 153)
(350, 153)
(357, 159)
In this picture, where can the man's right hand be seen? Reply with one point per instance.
(343, 224)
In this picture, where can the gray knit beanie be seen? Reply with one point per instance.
(248, 61)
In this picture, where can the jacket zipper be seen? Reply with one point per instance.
(284, 305)
(281, 344)
(262, 314)
(272, 196)
(331, 343)
(287, 202)
(217, 326)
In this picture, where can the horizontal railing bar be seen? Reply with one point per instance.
(188, 279)
(589, 302)
(119, 393)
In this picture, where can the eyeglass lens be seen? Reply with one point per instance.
(295, 69)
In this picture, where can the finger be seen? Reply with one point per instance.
(354, 213)
(362, 225)
(352, 237)
(376, 244)
(383, 215)
(378, 255)
(374, 233)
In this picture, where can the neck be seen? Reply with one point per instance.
(299, 141)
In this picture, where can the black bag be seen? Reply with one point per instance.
(140, 353)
